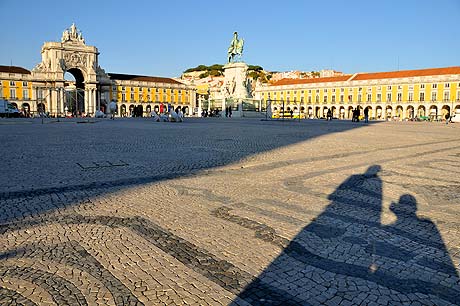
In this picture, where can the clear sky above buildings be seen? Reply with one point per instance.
(163, 38)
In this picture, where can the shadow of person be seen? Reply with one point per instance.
(315, 266)
(346, 255)
(416, 245)
(431, 252)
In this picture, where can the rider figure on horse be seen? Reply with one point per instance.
(236, 47)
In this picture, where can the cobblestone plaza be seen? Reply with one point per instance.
(229, 212)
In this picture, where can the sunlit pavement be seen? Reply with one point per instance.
(229, 211)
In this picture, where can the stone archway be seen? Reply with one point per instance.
(324, 112)
(25, 108)
(41, 108)
(350, 112)
(140, 110)
(74, 99)
(399, 112)
(445, 110)
(421, 111)
(342, 112)
(317, 112)
(378, 112)
(433, 113)
(71, 55)
(131, 110)
(389, 112)
(410, 112)
(310, 112)
(334, 112)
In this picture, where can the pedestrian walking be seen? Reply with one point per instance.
(366, 115)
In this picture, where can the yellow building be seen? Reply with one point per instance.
(426, 93)
(16, 86)
(150, 93)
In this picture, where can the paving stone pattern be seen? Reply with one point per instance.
(229, 212)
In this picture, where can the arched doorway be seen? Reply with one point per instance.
(399, 112)
(310, 112)
(389, 112)
(378, 112)
(350, 112)
(334, 110)
(74, 101)
(140, 110)
(324, 112)
(444, 111)
(421, 111)
(342, 112)
(131, 110)
(184, 110)
(123, 110)
(410, 112)
(433, 112)
(41, 108)
(25, 107)
(317, 112)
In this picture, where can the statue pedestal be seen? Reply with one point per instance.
(235, 82)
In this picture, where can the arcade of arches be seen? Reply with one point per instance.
(375, 112)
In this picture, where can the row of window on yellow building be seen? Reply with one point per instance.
(142, 94)
(22, 90)
(379, 93)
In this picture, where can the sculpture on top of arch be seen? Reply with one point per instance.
(72, 34)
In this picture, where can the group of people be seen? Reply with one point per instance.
(357, 114)
(210, 113)
(175, 115)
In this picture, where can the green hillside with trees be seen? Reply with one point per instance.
(255, 72)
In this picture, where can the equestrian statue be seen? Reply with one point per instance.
(235, 49)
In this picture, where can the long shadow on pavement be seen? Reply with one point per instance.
(347, 256)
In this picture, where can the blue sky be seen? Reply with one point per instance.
(163, 38)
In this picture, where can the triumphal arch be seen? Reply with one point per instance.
(71, 55)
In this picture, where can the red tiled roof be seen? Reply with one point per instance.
(142, 78)
(406, 73)
(14, 69)
(312, 80)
